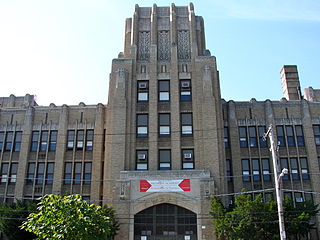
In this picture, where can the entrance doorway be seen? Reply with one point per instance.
(165, 221)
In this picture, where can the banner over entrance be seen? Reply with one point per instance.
(180, 185)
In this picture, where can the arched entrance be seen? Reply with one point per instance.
(165, 221)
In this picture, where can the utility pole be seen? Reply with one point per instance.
(277, 180)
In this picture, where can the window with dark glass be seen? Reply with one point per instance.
(300, 137)
(40, 173)
(304, 168)
(142, 160)
(8, 142)
(186, 124)
(298, 197)
(143, 91)
(80, 139)
(290, 136)
(17, 141)
(253, 137)
(4, 172)
(164, 124)
(280, 135)
(185, 90)
(34, 141)
(164, 159)
(49, 174)
(243, 137)
(284, 164)
(262, 141)
(294, 169)
(229, 172)
(77, 172)
(44, 141)
(266, 169)
(142, 125)
(245, 170)
(13, 172)
(53, 140)
(316, 133)
(70, 140)
(31, 172)
(87, 173)
(67, 173)
(164, 90)
(256, 170)
(1, 140)
(187, 159)
(89, 140)
(226, 137)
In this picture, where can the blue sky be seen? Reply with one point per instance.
(62, 50)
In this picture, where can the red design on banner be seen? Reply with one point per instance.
(185, 185)
(177, 185)
(144, 185)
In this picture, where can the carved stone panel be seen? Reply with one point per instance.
(144, 46)
(163, 45)
(184, 51)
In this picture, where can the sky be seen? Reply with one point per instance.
(61, 50)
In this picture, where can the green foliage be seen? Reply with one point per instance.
(71, 218)
(255, 219)
(12, 216)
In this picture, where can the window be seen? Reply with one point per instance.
(49, 174)
(40, 173)
(17, 141)
(89, 140)
(67, 173)
(316, 132)
(245, 170)
(226, 137)
(142, 125)
(4, 172)
(77, 172)
(142, 160)
(44, 141)
(34, 141)
(9, 140)
(253, 137)
(229, 172)
(30, 174)
(284, 164)
(294, 169)
(164, 90)
(1, 140)
(256, 170)
(53, 141)
(280, 135)
(304, 168)
(13, 172)
(143, 91)
(185, 90)
(80, 139)
(262, 131)
(290, 136)
(164, 159)
(164, 124)
(70, 140)
(300, 138)
(87, 173)
(186, 124)
(187, 159)
(298, 197)
(266, 169)
(243, 137)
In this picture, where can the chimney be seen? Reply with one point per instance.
(290, 82)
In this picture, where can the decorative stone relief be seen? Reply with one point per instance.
(182, 23)
(163, 45)
(144, 46)
(144, 12)
(121, 78)
(163, 11)
(144, 24)
(164, 23)
(184, 51)
(182, 11)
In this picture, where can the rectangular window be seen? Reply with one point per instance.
(185, 90)
(49, 174)
(299, 134)
(226, 137)
(243, 137)
(262, 131)
(34, 141)
(142, 125)
(294, 169)
(290, 136)
(164, 90)
(164, 124)
(164, 159)
(143, 91)
(280, 135)
(13, 172)
(70, 140)
(284, 164)
(298, 197)
(4, 172)
(266, 169)
(256, 170)
(245, 170)
(30, 174)
(77, 173)
(229, 170)
(44, 141)
(53, 140)
(304, 168)
(1, 140)
(87, 173)
(187, 159)
(40, 173)
(67, 173)
(89, 140)
(253, 137)
(316, 133)
(142, 160)
(186, 124)
(17, 141)
(80, 139)
(9, 140)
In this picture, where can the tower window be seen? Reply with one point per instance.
(164, 124)
(243, 137)
(186, 124)
(316, 133)
(187, 159)
(280, 135)
(142, 125)
(142, 160)
(164, 159)
(245, 170)
(164, 90)
(185, 90)
(143, 91)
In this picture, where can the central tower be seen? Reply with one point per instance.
(164, 141)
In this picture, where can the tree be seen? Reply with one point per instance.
(255, 219)
(12, 216)
(70, 217)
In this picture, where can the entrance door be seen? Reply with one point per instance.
(165, 221)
